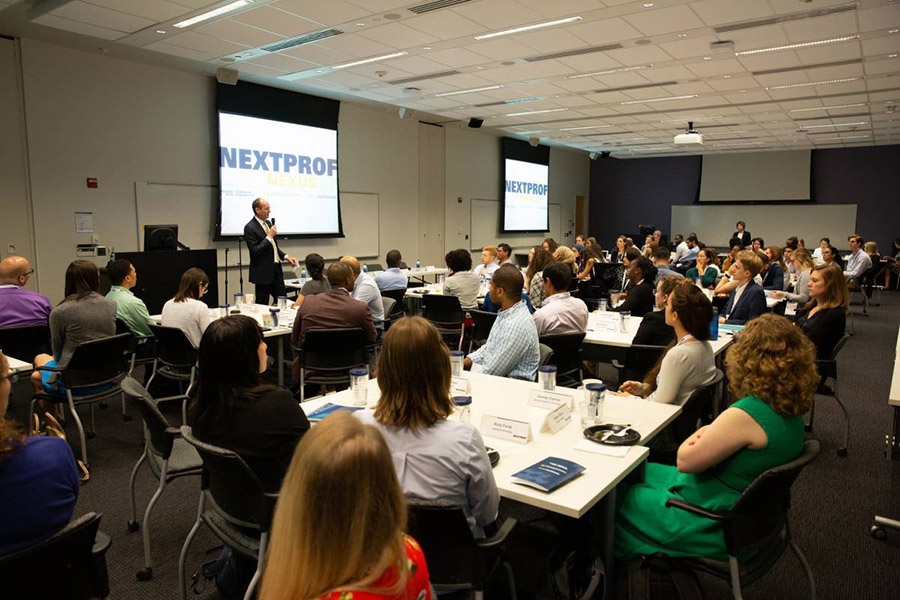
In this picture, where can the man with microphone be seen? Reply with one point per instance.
(265, 255)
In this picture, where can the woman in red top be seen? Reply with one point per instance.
(338, 527)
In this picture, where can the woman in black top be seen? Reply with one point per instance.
(232, 409)
(641, 297)
(619, 253)
(653, 330)
(824, 318)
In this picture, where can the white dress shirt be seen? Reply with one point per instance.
(265, 227)
(561, 313)
(857, 264)
(366, 290)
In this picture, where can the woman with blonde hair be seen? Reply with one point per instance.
(824, 318)
(803, 264)
(436, 458)
(771, 369)
(338, 527)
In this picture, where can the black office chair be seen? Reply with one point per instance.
(397, 296)
(330, 354)
(446, 314)
(372, 267)
(828, 370)
(176, 360)
(69, 564)
(92, 376)
(566, 356)
(639, 359)
(141, 351)
(483, 323)
(168, 456)
(546, 355)
(456, 560)
(757, 524)
(26, 342)
(233, 504)
(703, 401)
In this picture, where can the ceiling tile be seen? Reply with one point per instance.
(204, 43)
(597, 33)
(735, 83)
(283, 63)
(758, 37)
(456, 57)
(883, 17)
(355, 46)
(590, 63)
(155, 10)
(712, 68)
(617, 80)
(501, 75)
(550, 40)
(333, 12)
(774, 60)
(718, 12)
(890, 65)
(665, 20)
(102, 17)
(689, 48)
(102, 33)
(498, 14)
(413, 64)
(377, 6)
(166, 48)
(445, 25)
(319, 55)
(238, 33)
(683, 89)
(277, 21)
(824, 54)
(258, 69)
(397, 35)
(578, 85)
(882, 45)
(562, 8)
(501, 49)
(821, 28)
(639, 55)
(666, 74)
(466, 81)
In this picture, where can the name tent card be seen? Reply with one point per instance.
(557, 419)
(539, 398)
(459, 386)
(506, 429)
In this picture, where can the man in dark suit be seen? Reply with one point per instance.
(332, 309)
(642, 294)
(265, 255)
(741, 234)
(747, 300)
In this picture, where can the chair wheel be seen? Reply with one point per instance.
(133, 526)
(103, 405)
(877, 532)
(842, 452)
(145, 574)
(90, 435)
(127, 418)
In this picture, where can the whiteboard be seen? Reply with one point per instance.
(194, 209)
(774, 223)
(485, 228)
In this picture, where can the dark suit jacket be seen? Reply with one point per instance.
(640, 300)
(332, 309)
(744, 237)
(262, 263)
(751, 304)
(654, 331)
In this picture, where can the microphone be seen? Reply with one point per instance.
(273, 221)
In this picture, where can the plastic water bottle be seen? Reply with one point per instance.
(365, 268)
(418, 264)
(714, 326)
(303, 277)
(597, 399)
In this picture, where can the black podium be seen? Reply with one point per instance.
(159, 273)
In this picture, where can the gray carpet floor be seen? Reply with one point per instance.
(834, 500)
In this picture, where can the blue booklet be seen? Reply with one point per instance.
(549, 474)
(329, 408)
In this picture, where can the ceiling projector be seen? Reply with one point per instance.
(691, 136)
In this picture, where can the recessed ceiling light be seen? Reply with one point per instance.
(682, 35)
(889, 55)
(893, 30)
(856, 105)
(707, 58)
(162, 31)
(369, 60)
(659, 99)
(479, 68)
(487, 36)
(610, 71)
(536, 112)
(726, 76)
(846, 38)
(426, 48)
(853, 124)
(360, 24)
(469, 91)
(233, 6)
(648, 5)
(810, 83)
(319, 71)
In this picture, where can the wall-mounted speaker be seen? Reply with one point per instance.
(227, 76)
(475, 123)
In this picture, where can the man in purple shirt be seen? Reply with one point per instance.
(20, 307)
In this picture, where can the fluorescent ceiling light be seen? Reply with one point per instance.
(659, 99)
(810, 83)
(695, 119)
(610, 72)
(846, 137)
(795, 110)
(470, 91)
(523, 100)
(854, 124)
(536, 112)
(487, 36)
(846, 38)
(213, 13)
(585, 127)
(369, 60)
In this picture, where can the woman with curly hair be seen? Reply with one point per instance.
(534, 279)
(772, 370)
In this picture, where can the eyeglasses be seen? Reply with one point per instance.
(27, 273)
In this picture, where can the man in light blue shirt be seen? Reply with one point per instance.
(512, 348)
(393, 278)
(365, 290)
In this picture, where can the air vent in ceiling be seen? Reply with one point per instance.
(635, 87)
(306, 38)
(576, 52)
(486, 104)
(423, 77)
(840, 63)
(427, 7)
(799, 16)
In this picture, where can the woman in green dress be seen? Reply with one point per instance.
(772, 369)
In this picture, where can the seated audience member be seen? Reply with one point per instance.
(436, 459)
(757, 244)
(392, 278)
(578, 251)
(803, 263)
(657, 237)
(747, 300)
(631, 255)
(653, 330)
(619, 253)
(771, 369)
(20, 307)
(488, 262)
(38, 478)
(689, 257)
(315, 268)
(489, 305)
(787, 257)
(690, 362)
(82, 316)
(817, 253)
(774, 277)
(364, 289)
(591, 256)
(130, 309)
(645, 249)
(504, 254)
(681, 247)
(661, 260)
(185, 311)
(233, 409)
(512, 348)
(338, 527)
(591, 241)
(736, 247)
(550, 245)
(706, 268)
(462, 282)
(741, 234)
(534, 277)
(858, 263)
(331, 310)
(830, 256)
(565, 256)
(560, 313)
(579, 239)
(824, 318)
(640, 299)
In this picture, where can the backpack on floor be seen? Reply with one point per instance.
(658, 577)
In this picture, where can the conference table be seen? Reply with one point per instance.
(605, 466)
(420, 274)
(893, 441)
(17, 367)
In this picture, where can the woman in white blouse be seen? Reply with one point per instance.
(803, 264)
(185, 311)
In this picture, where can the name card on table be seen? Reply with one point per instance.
(548, 400)
(506, 429)
(608, 321)
(557, 419)
(459, 386)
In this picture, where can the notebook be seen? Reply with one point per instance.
(548, 474)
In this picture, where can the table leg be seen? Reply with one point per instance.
(607, 548)
(893, 440)
(280, 360)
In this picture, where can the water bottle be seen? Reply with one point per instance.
(303, 277)
(714, 326)
(365, 268)
(418, 264)
(598, 398)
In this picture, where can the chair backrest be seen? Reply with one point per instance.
(173, 347)
(97, 362)
(389, 304)
(333, 349)
(828, 367)
(397, 295)
(58, 567)
(759, 515)
(236, 491)
(374, 267)
(686, 423)
(140, 398)
(484, 321)
(566, 351)
(25, 343)
(442, 309)
(546, 354)
(640, 358)
(780, 308)
(443, 532)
